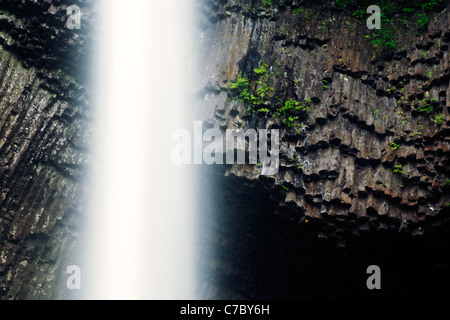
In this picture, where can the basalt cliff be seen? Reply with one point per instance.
(45, 135)
(363, 118)
(364, 123)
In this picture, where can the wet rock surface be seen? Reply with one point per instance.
(45, 135)
(343, 201)
(336, 205)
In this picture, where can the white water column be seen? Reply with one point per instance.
(142, 226)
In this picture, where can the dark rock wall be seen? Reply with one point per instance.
(44, 141)
(336, 184)
(335, 207)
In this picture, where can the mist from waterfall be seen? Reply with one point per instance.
(142, 222)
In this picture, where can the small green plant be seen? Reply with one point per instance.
(241, 89)
(430, 4)
(278, 74)
(289, 121)
(384, 38)
(416, 134)
(398, 169)
(72, 130)
(360, 13)
(54, 245)
(240, 85)
(263, 110)
(422, 19)
(342, 3)
(438, 119)
(426, 106)
(262, 70)
(285, 188)
(447, 181)
(376, 113)
(404, 122)
(258, 96)
(267, 3)
(427, 109)
(291, 111)
(298, 10)
(394, 146)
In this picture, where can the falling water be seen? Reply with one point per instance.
(142, 224)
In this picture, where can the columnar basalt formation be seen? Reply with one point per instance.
(371, 158)
(364, 175)
(44, 140)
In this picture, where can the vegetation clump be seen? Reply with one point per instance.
(398, 169)
(260, 100)
(394, 146)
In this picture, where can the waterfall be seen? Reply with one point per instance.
(141, 225)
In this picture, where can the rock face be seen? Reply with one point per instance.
(364, 175)
(44, 138)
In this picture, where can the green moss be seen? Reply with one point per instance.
(426, 106)
(398, 169)
(394, 146)
(259, 98)
(292, 110)
(263, 110)
(72, 130)
(438, 119)
(394, 17)
(343, 3)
